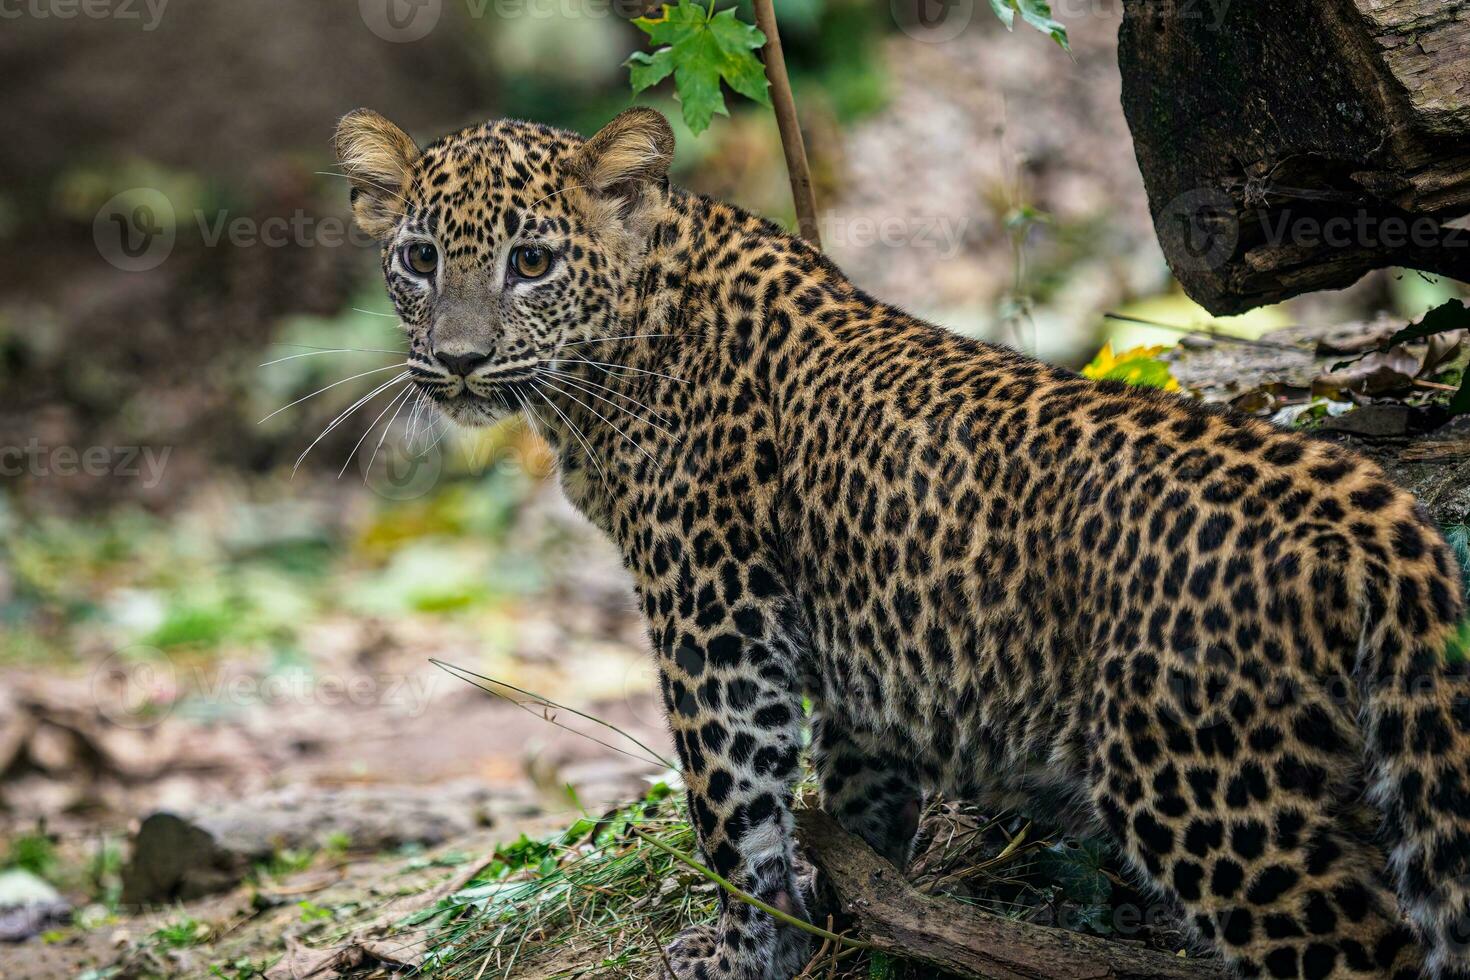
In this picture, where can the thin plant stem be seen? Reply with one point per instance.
(802, 196)
(548, 703)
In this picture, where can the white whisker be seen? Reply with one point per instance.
(575, 431)
(525, 407)
(560, 190)
(364, 350)
(620, 367)
(575, 383)
(612, 391)
(443, 431)
(630, 440)
(402, 400)
(444, 426)
(395, 194)
(413, 418)
(334, 384)
(369, 430)
(329, 350)
(385, 189)
(626, 336)
(346, 412)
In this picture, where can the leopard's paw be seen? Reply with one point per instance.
(793, 950)
(694, 955)
(698, 955)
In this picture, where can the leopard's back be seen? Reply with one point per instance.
(1122, 606)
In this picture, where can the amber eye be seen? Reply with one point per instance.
(530, 261)
(421, 257)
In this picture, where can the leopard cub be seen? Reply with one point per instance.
(1215, 641)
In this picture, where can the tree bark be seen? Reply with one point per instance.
(1295, 145)
(960, 940)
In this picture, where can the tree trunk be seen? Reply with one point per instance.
(1295, 145)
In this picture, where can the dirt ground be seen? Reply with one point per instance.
(345, 768)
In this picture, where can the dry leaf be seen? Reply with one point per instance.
(1377, 373)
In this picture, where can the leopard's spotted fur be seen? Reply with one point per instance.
(1217, 640)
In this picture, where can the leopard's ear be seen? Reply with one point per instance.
(626, 165)
(376, 157)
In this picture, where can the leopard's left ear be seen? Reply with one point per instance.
(626, 165)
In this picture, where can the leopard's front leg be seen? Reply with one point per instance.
(730, 675)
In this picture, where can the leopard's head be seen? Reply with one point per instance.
(505, 242)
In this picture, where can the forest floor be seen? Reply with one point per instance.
(168, 669)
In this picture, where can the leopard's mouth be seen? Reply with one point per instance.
(466, 406)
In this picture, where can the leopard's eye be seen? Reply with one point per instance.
(530, 261)
(421, 257)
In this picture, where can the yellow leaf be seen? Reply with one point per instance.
(1136, 366)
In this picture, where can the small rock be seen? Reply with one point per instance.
(1374, 421)
(183, 856)
(19, 887)
(28, 906)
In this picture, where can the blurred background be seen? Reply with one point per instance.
(192, 611)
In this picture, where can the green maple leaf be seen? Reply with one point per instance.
(1037, 13)
(699, 48)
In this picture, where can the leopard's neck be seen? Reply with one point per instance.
(703, 308)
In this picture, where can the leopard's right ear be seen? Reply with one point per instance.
(376, 156)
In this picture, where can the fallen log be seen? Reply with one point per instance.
(896, 919)
(1293, 146)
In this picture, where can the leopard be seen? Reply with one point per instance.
(908, 563)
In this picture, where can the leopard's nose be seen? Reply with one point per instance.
(463, 364)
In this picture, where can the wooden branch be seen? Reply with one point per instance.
(958, 939)
(802, 195)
